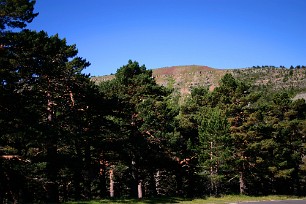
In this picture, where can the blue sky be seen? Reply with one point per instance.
(161, 33)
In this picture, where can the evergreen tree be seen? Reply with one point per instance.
(286, 119)
(16, 13)
(214, 147)
(188, 141)
(45, 72)
(142, 115)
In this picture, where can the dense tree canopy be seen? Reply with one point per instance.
(143, 116)
(16, 13)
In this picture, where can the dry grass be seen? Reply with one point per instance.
(209, 200)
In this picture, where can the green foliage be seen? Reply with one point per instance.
(42, 95)
(144, 115)
(214, 156)
(16, 13)
(62, 136)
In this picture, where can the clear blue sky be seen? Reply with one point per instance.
(160, 33)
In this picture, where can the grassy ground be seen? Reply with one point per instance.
(209, 200)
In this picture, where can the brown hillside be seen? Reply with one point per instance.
(183, 78)
(180, 69)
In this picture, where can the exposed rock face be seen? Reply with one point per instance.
(183, 78)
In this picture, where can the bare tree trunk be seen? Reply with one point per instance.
(157, 182)
(241, 182)
(102, 179)
(135, 180)
(111, 183)
(77, 177)
(139, 189)
(52, 185)
(87, 182)
(211, 170)
(49, 108)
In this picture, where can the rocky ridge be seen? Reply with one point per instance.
(183, 78)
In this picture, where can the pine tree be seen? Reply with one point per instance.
(214, 149)
(142, 116)
(15, 14)
(45, 71)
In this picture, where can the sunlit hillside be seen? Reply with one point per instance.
(183, 78)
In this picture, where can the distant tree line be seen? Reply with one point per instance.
(281, 66)
(65, 138)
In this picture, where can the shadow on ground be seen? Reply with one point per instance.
(147, 201)
(139, 201)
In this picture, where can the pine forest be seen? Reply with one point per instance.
(66, 137)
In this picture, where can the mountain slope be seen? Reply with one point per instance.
(183, 78)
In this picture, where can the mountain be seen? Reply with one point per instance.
(183, 78)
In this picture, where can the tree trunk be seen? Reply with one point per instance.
(152, 186)
(191, 183)
(87, 181)
(157, 182)
(102, 179)
(77, 177)
(51, 168)
(134, 183)
(179, 181)
(212, 185)
(139, 187)
(297, 183)
(64, 191)
(111, 183)
(242, 186)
